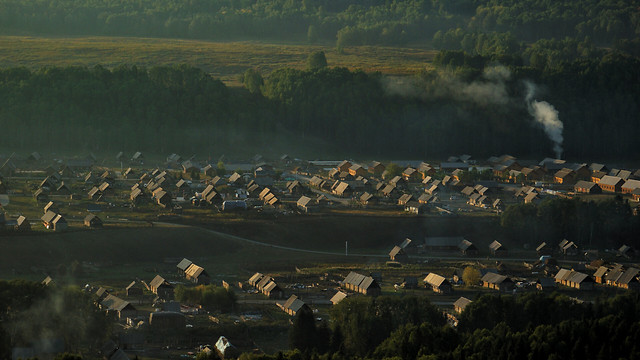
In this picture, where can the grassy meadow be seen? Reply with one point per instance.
(222, 59)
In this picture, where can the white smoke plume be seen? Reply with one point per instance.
(490, 90)
(546, 115)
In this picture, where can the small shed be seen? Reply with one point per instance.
(92, 221)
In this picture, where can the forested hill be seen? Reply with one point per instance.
(352, 22)
(469, 105)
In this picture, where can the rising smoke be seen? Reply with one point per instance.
(547, 116)
(489, 90)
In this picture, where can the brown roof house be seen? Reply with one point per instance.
(497, 249)
(398, 254)
(611, 183)
(197, 275)
(161, 287)
(438, 283)
(293, 305)
(461, 304)
(92, 221)
(497, 282)
(54, 221)
(363, 284)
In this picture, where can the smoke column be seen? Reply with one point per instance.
(546, 115)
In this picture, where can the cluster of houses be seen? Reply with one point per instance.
(362, 284)
(192, 272)
(266, 285)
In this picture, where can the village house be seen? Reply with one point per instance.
(92, 221)
(611, 183)
(272, 290)
(343, 189)
(466, 247)
(363, 284)
(357, 170)
(54, 221)
(460, 304)
(197, 275)
(161, 287)
(183, 265)
(404, 199)
(411, 175)
(497, 282)
(121, 308)
(398, 254)
(587, 187)
(344, 166)
(574, 279)
(293, 305)
(255, 279)
(630, 186)
(339, 296)
(368, 199)
(600, 274)
(438, 283)
(134, 289)
(565, 176)
(376, 168)
(306, 204)
(544, 249)
(628, 279)
(497, 249)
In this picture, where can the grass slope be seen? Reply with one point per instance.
(222, 59)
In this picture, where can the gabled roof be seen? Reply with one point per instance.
(158, 281)
(115, 303)
(462, 302)
(465, 245)
(562, 275)
(194, 271)
(610, 180)
(255, 278)
(396, 250)
(49, 216)
(405, 244)
(339, 296)
(494, 278)
(588, 185)
(304, 201)
(435, 280)
(184, 264)
(628, 276)
(602, 271)
(496, 245)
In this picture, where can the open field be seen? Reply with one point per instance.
(222, 59)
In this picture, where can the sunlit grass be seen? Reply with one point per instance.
(222, 59)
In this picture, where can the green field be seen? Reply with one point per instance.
(222, 59)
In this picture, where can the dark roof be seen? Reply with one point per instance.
(494, 278)
(184, 264)
(628, 276)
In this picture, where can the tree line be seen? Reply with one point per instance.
(529, 326)
(467, 105)
(353, 22)
(605, 224)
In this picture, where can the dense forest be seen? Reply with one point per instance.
(501, 61)
(591, 225)
(530, 326)
(353, 22)
(473, 104)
